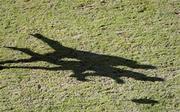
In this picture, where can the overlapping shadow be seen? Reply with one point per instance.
(98, 64)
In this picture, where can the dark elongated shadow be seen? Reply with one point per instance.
(101, 65)
(145, 101)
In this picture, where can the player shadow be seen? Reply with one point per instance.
(82, 63)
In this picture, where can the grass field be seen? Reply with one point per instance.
(89, 56)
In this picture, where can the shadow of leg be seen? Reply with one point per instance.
(139, 76)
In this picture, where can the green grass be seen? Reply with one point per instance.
(146, 31)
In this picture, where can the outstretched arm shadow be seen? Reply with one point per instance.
(102, 65)
(53, 44)
(34, 56)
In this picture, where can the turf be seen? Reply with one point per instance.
(101, 55)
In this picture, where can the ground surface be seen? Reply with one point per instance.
(146, 31)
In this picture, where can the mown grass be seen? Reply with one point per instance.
(146, 31)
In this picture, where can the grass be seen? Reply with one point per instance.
(146, 31)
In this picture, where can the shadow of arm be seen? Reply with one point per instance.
(32, 67)
(53, 44)
(24, 50)
(34, 56)
(18, 61)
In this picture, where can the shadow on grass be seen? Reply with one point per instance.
(97, 64)
(145, 101)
